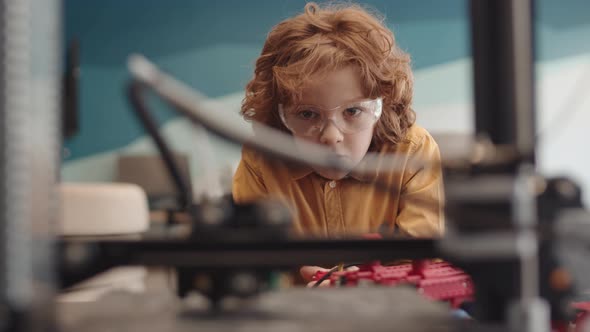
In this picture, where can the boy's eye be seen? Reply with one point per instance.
(353, 111)
(307, 114)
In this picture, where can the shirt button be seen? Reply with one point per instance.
(332, 184)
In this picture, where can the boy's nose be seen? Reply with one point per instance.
(331, 135)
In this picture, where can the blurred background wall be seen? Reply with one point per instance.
(213, 45)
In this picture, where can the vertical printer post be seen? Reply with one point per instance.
(29, 107)
(502, 44)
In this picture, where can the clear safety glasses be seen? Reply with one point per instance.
(350, 118)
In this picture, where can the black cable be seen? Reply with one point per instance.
(135, 92)
(329, 273)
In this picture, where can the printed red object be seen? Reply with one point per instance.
(437, 281)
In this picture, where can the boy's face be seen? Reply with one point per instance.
(337, 89)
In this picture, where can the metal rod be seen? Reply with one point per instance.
(270, 253)
(136, 96)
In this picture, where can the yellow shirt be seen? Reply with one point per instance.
(352, 206)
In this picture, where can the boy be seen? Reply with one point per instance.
(336, 77)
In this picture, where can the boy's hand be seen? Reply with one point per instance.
(307, 272)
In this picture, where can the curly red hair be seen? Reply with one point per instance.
(322, 40)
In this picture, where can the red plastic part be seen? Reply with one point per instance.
(437, 281)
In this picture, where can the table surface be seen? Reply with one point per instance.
(288, 310)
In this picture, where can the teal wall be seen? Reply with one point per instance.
(212, 46)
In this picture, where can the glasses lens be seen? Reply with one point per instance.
(358, 116)
(302, 119)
